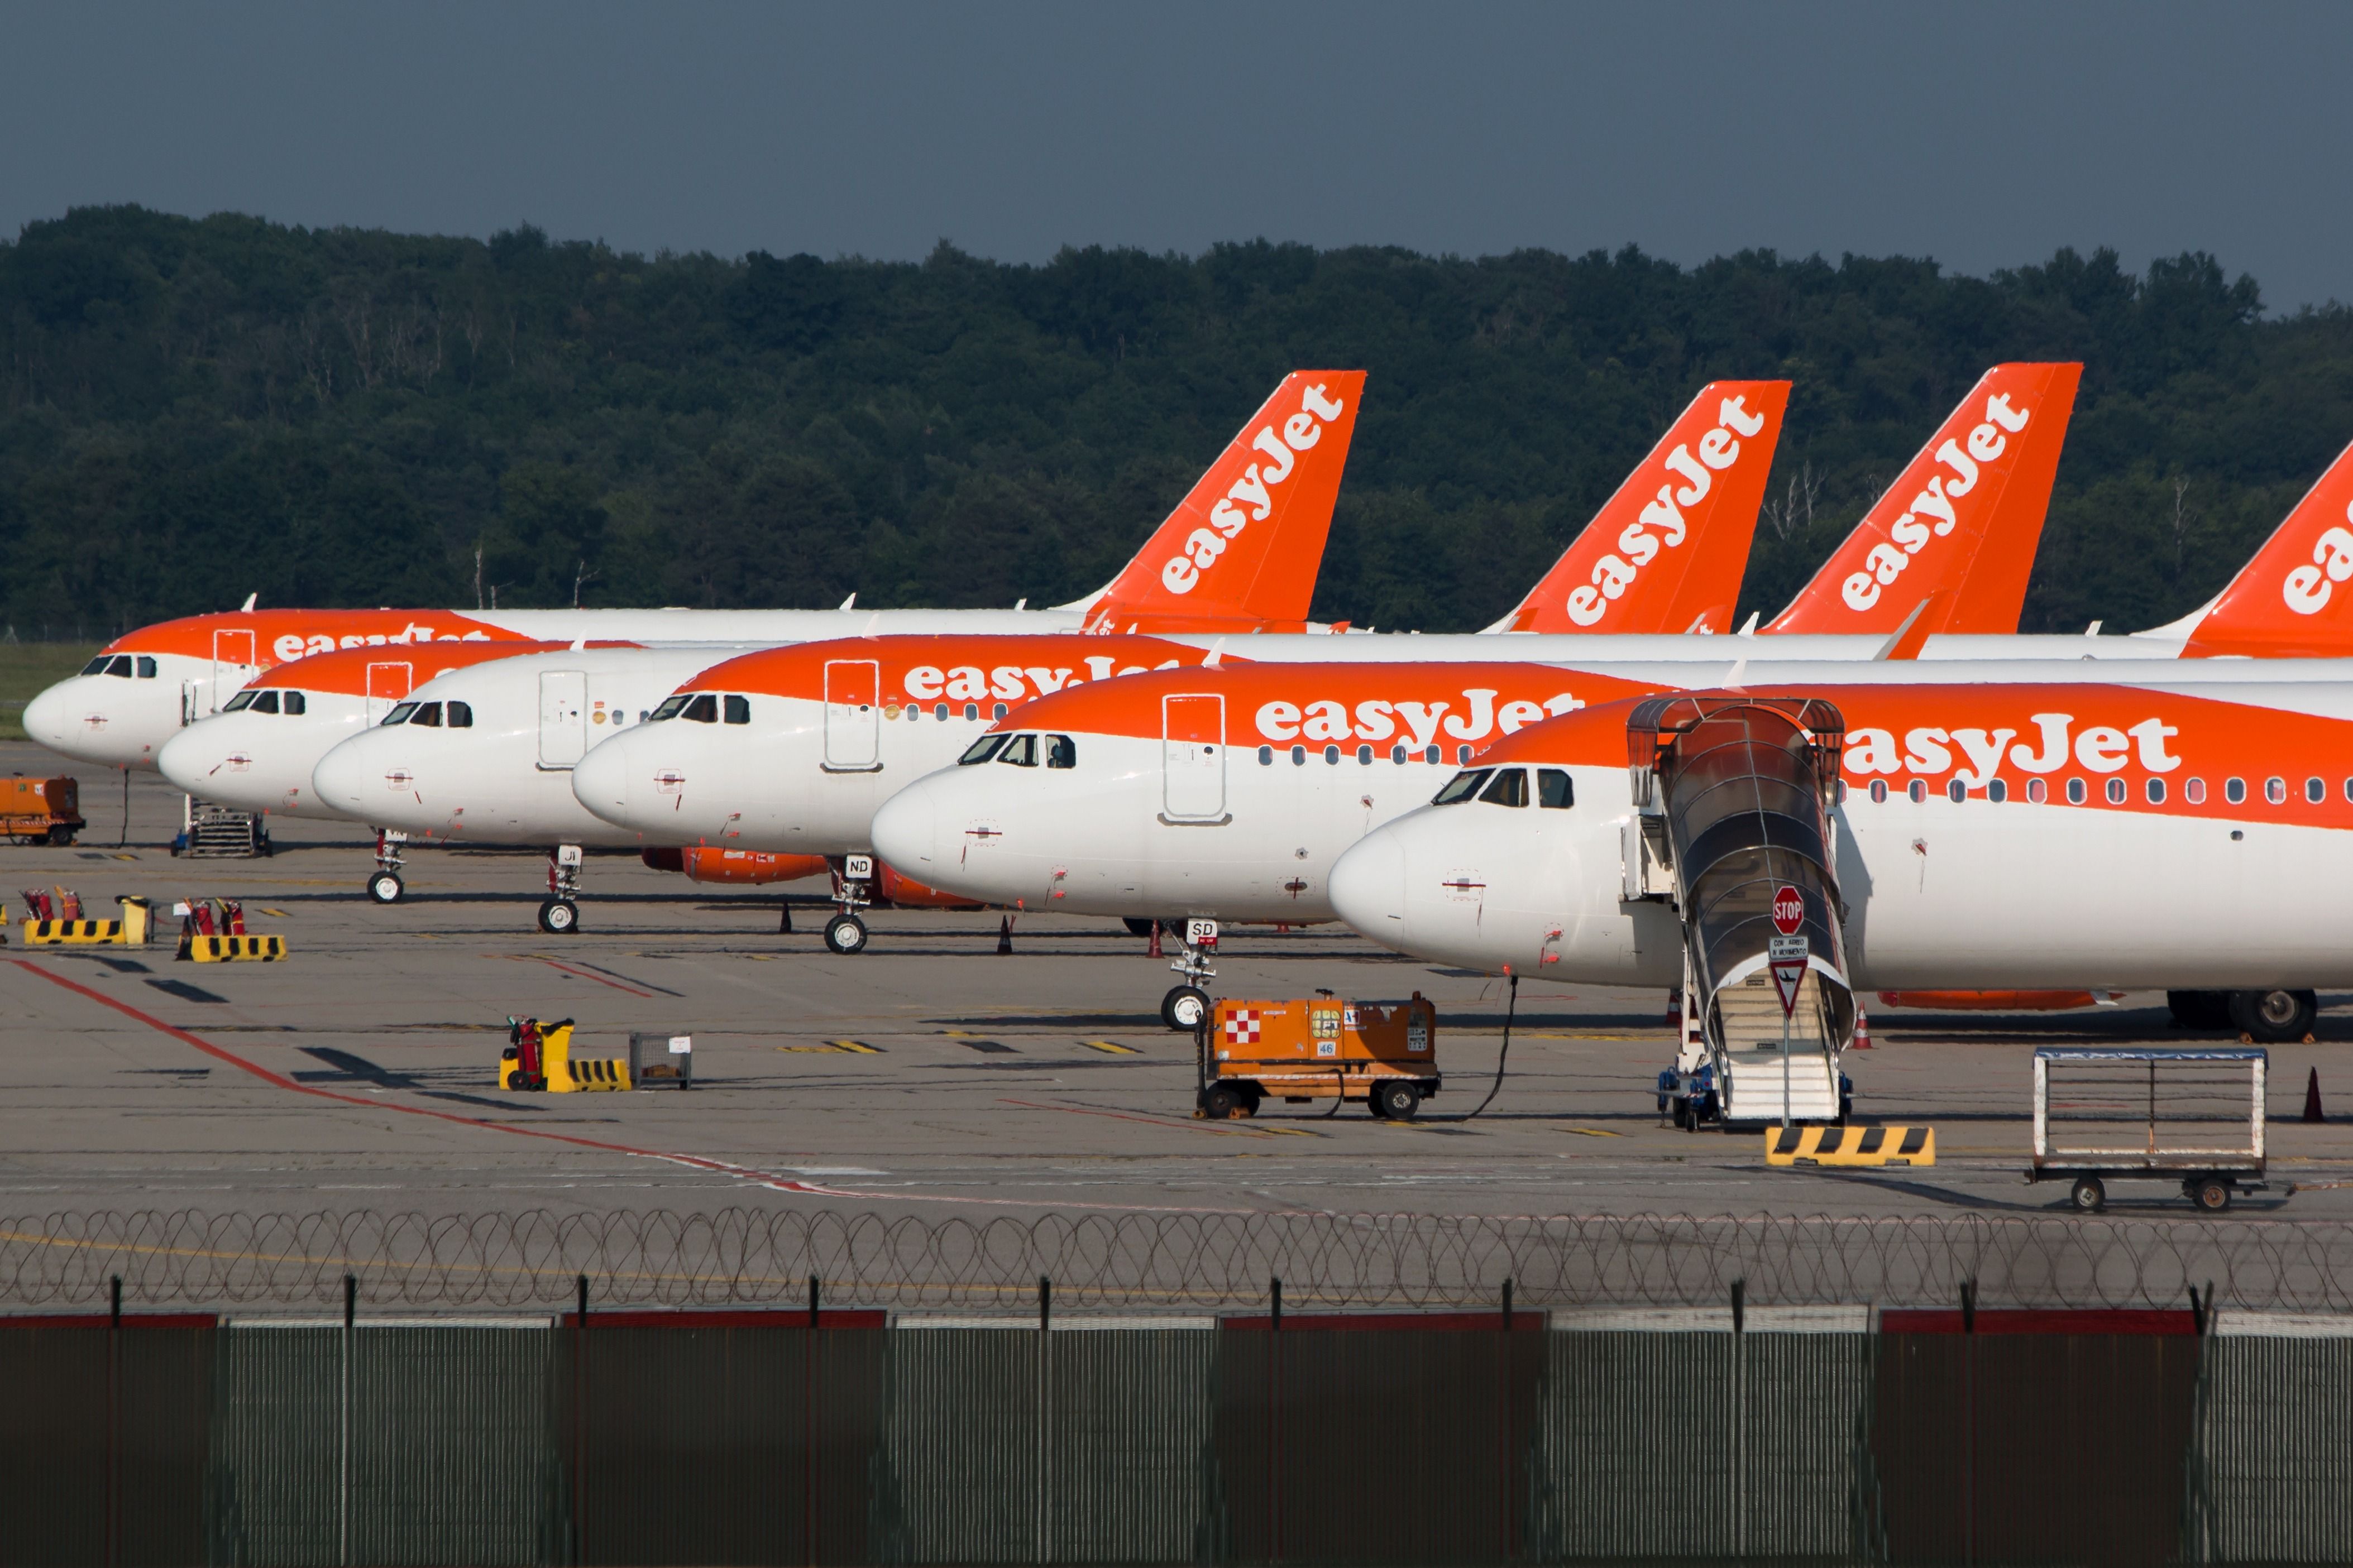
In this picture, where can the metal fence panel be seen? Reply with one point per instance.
(960, 1473)
(1635, 1447)
(453, 1460)
(275, 1490)
(1131, 1470)
(54, 1424)
(2270, 1475)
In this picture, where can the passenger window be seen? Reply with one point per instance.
(1365, 756)
(2037, 792)
(1022, 752)
(397, 716)
(2075, 791)
(739, 709)
(1510, 788)
(96, 666)
(1430, 755)
(1298, 757)
(1997, 792)
(1001, 710)
(702, 710)
(2276, 791)
(669, 706)
(265, 702)
(1332, 755)
(146, 667)
(1461, 787)
(1956, 791)
(1462, 756)
(980, 751)
(462, 715)
(2156, 791)
(428, 714)
(2234, 789)
(1878, 791)
(2315, 791)
(940, 711)
(971, 711)
(2194, 790)
(1397, 756)
(2115, 791)
(240, 702)
(1918, 790)
(297, 704)
(1061, 752)
(1266, 756)
(119, 665)
(1556, 791)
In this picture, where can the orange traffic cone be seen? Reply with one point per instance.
(1862, 1031)
(2312, 1098)
(1005, 935)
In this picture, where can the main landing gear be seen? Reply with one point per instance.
(559, 913)
(853, 889)
(2268, 1017)
(384, 884)
(1187, 1004)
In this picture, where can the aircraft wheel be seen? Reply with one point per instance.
(2273, 1017)
(559, 916)
(845, 934)
(385, 888)
(2089, 1195)
(1395, 1100)
(1184, 1007)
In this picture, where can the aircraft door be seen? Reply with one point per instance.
(196, 701)
(853, 715)
(563, 717)
(1193, 759)
(233, 666)
(388, 684)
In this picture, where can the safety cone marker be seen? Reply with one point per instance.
(1005, 935)
(2312, 1098)
(1155, 952)
(1862, 1031)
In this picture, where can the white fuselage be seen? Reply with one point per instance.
(264, 761)
(506, 777)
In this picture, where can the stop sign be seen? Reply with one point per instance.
(1789, 910)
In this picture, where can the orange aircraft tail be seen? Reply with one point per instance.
(1666, 553)
(1246, 544)
(1964, 515)
(2291, 601)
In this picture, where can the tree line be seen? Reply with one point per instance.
(195, 410)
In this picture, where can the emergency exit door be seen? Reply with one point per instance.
(1193, 759)
(563, 717)
(853, 715)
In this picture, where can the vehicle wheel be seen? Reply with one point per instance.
(1138, 926)
(559, 916)
(1184, 1007)
(1395, 1100)
(845, 934)
(1221, 1102)
(61, 835)
(2273, 1017)
(385, 888)
(2090, 1195)
(1252, 1098)
(2211, 1195)
(2199, 1009)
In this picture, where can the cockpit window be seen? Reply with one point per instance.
(739, 709)
(119, 665)
(240, 702)
(265, 702)
(1555, 790)
(1461, 787)
(1022, 752)
(980, 751)
(669, 706)
(1061, 752)
(296, 703)
(702, 710)
(96, 666)
(146, 667)
(428, 714)
(400, 715)
(462, 715)
(1510, 788)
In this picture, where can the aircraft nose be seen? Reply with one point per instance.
(341, 779)
(1368, 885)
(50, 717)
(186, 758)
(906, 830)
(600, 781)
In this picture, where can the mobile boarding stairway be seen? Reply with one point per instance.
(1733, 799)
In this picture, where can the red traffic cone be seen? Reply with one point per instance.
(1155, 952)
(1862, 1031)
(1005, 935)
(2312, 1098)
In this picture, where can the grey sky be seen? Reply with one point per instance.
(1983, 134)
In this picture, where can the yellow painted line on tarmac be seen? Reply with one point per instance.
(858, 1047)
(1592, 1133)
(282, 914)
(1111, 1048)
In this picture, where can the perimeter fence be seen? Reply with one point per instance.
(1161, 1261)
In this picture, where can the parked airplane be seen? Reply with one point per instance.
(1238, 553)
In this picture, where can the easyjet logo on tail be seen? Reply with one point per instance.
(1252, 497)
(1932, 514)
(1691, 477)
(2298, 571)
(2306, 589)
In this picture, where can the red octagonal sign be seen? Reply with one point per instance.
(1789, 910)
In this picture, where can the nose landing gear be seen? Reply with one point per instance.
(559, 913)
(1186, 1004)
(853, 889)
(384, 884)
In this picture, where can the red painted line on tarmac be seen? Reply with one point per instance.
(584, 974)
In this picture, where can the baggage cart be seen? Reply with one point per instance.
(2109, 1113)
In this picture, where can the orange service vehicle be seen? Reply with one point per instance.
(40, 811)
(1382, 1053)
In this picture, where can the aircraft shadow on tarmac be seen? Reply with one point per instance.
(350, 1068)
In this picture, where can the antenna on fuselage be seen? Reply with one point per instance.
(851, 602)
(249, 601)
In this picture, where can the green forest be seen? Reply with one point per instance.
(195, 410)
